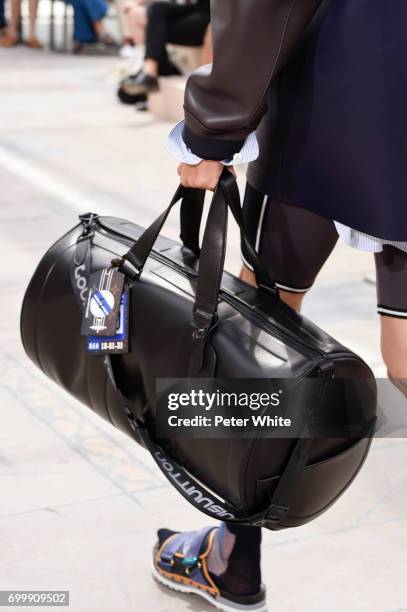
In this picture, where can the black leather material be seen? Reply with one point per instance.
(247, 333)
(226, 100)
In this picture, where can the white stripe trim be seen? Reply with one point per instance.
(260, 225)
(279, 285)
(246, 263)
(393, 312)
(292, 289)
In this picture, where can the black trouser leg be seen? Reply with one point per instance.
(189, 30)
(177, 24)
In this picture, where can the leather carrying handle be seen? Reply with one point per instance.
(190, 218)
(231, 193)
(213, 252)
(138, 254)
(213, 246)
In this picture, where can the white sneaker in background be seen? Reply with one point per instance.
(128, 52)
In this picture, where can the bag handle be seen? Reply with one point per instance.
(190, 218)
(138, 254)
(211, 265)
(226, 194)
(213, 255)
(230, 189)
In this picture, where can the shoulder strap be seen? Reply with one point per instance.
(185, 483)
(200, 496)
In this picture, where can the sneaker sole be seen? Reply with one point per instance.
(219, 602)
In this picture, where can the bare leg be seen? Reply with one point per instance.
(207, 47)
(15, 17)
(11, 36)
(140, 22)
(247, 276)
(124, 8)
(294, 300)
(133, 20)
(32, 17)
(136, 23)
(99, 27)
(394, 350)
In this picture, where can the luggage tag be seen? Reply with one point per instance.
(119, 342)
(105, 319)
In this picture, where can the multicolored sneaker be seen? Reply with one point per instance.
(180, 563)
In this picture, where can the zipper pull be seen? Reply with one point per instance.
(85, 239)
(87, 220)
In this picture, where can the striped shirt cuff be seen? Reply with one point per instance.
(178, 149)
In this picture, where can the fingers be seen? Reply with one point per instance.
(204, 175)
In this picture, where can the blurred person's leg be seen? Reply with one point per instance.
(133, 18)
(97, 10)
(188, 31)
(183, 26)
(123, 9)
(32, 40)
(391, 272)
(12, 36)
(83, 30)
(3, 22)
(160, 16)
(133, 21)
(88, 23)
(139, 17)
(167, 23)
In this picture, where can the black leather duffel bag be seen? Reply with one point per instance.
(185, 323)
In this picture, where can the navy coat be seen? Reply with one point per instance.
(334, 139)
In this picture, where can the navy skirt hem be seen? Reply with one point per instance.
(335, 137)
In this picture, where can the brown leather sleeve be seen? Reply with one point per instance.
(252, 40)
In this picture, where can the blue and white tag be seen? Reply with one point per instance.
(103, 302)
(119, 341)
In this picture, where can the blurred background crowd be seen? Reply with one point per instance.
(167, 38)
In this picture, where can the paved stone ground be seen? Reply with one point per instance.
(79, 502)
